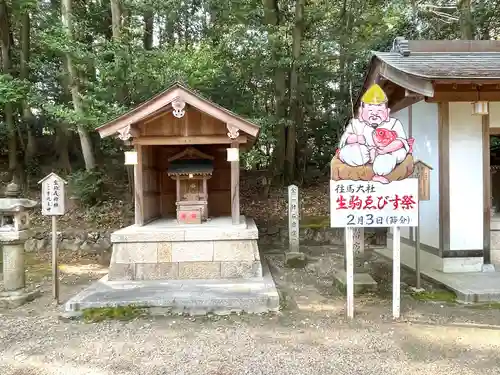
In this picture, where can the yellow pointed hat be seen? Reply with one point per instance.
(374, 95)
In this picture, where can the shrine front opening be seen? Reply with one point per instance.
(182, 180)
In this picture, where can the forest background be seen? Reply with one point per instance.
(292, 66)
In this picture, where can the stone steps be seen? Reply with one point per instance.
(193, 297)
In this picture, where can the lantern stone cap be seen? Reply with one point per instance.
(52, 175)
(420, 162)
(16, 204)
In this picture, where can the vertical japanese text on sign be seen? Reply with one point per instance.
(53, 195)
(293, 213)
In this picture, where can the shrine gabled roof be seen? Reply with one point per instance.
(165, 99)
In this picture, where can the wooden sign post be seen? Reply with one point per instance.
(293, 218)
(360, 204)
(421, 171)
(53, 204)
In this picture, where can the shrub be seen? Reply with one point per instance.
(87, 186)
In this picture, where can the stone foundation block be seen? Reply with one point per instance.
(241, 269)
(234, 250)
(199, 270)
(295, 259)
(156, 271)
(164, 252)
(121, 271)
(196, 251)
(363, 282)
(143, 252)
(495, 256)
(495, 239)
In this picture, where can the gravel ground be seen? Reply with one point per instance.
(310, 336)
(41, 345)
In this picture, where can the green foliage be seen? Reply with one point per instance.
(87, 186)
(227, 50)
(12, 89)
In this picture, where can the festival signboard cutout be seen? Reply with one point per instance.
(370, 184)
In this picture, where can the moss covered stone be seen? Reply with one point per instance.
(112, 313)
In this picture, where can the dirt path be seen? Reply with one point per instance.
(310, 336)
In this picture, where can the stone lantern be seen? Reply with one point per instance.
(14, 231)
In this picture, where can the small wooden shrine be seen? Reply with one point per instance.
(186, 191)
(181, 143)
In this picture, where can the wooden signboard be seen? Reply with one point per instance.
(422, 171)
(53, 195)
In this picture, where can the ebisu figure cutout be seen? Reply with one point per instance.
(374, 146)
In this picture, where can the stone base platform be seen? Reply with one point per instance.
(13, 299)
(193, 297)
(167, 250)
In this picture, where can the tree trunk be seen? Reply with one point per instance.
(62, 143)
(62, 133)
(28, 117)
(148, 30)
(346, 21)
(466, 21)
(6, 48)
(85, 141)
(295, 110)
(271, 17)
(117, 17)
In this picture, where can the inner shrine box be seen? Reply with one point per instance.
(191, 169)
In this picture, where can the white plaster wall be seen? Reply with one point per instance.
(402, 116)
(466, 178)
(425, 131)
(494, 109)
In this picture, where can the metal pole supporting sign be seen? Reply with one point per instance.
(53, 204)
(349, 257)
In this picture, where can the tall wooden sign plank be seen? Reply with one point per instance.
(53, 204)
(293, 218)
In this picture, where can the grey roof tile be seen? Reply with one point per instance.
(443, 65)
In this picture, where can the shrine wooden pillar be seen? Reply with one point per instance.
(235, 174)
(138, 187)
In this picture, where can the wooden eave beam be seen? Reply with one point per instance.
(464, 96)
(412, 83)
(157, 115)
(193, 140)
(405, 102)
(220, 113)
(465, 81)
(138, 113)
(191, 151)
